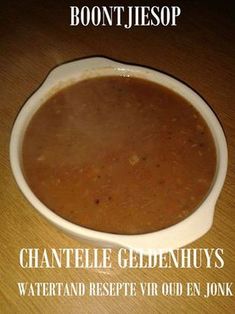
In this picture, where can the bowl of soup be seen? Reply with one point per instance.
(119, 154)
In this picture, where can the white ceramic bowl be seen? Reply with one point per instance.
(184, 232)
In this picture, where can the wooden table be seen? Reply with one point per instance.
(34, 37)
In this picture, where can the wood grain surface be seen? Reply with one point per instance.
(34, 37)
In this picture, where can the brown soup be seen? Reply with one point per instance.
(119, 155)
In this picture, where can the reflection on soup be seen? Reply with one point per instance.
(119, 154)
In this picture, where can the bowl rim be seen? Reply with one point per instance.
(175, 236)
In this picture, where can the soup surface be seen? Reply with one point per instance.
(120, 155)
